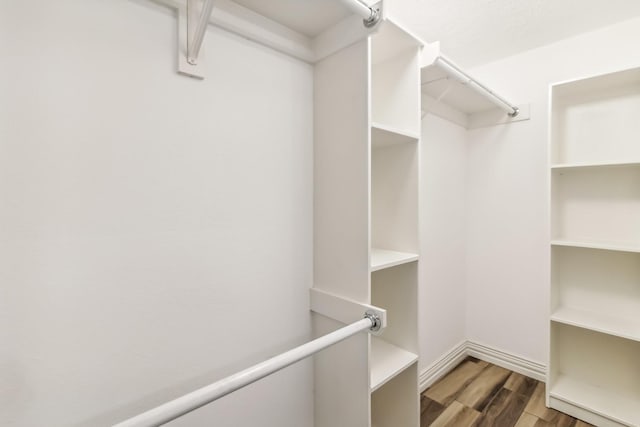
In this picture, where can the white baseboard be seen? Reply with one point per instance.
(508, 360)
(501, 358)
(443, 365)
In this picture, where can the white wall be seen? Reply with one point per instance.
(155, 230)
(507, 222)
(443, 183)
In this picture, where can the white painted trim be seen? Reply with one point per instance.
(442, 366)
(508, 360)
(501, 358)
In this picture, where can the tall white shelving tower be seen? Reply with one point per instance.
(367, 120)
(594, 363)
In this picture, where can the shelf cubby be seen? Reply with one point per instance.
(596, 289)
(395, 80)
(394, 198)
(595, 119)
(597, 204)
(394, 403)
(595, 376)
(395, 289)
(387, 361)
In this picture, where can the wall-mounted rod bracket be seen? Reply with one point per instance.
(193, 20)
(346, 310)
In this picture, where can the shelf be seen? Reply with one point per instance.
(570, 166)
(595, 120)
(384, 136)
(595, 245)
(598, 322)
(382, 258)
(621, 408)
(387, 361)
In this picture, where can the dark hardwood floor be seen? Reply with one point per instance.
(479, 394)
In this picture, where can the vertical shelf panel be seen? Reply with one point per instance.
(341, 174)
(341, 229)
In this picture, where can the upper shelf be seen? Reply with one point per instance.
(309, 30)
(309, 18)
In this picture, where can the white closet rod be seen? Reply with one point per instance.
(452, 69)
(370, 15)
(196, 399)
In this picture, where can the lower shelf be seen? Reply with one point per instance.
(387, 361)
(594, 404)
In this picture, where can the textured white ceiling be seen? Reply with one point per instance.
(474, 32)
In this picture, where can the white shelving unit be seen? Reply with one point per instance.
(594, 363)
(367, 127)
(395, 133)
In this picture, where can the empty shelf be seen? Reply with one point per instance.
(603, 323)
(384, 136)
(596, 245)
(561, 166)
(383, 258)
(621, 408)
(387, 361)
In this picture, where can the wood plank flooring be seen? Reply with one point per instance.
(479, 394)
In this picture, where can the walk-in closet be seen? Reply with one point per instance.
(320, 213)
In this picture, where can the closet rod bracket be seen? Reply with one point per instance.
(193, 19)
(373, 19)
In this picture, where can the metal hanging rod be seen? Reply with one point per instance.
(452, 69)
(196, 399)
(370, 15)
